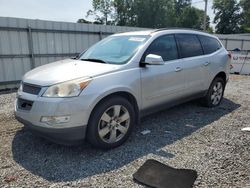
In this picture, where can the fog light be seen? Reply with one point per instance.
(55, 119)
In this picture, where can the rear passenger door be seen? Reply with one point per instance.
(191, 53)
(211, 47)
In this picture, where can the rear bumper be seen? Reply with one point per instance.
(65, 136)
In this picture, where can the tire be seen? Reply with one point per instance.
(215, 93)
(111, 123)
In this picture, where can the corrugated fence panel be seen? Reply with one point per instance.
(26, 44)
(246, 45)
(231, 45)
(13, 43)
(223, 42)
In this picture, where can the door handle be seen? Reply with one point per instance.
(206, 63)
(178, 69)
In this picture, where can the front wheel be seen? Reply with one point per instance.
(215, 93)
(111, 123)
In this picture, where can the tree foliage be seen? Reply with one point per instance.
(148, 13)
(245, 4)
(227, 16)
(144, 13)
(179, 5)
(192, 17)
(102, 11)
(124, 14)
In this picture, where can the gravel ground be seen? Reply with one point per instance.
(187, 136)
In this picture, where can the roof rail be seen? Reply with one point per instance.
(171, 28)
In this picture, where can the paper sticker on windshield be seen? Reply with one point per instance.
(136, 39)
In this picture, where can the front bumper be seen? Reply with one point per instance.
(68, 133)
(65, 136)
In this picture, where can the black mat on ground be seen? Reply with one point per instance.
(155, 174)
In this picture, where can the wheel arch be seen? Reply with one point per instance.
(222, 75)
(125, 94)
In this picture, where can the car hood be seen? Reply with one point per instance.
(66, 70)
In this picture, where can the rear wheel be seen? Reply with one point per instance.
(111, 123)
(215, 93)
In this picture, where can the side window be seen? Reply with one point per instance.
(209, 44)
(189, 45)
(164, 46)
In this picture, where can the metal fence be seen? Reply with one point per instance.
(26, 44)
(241, 42)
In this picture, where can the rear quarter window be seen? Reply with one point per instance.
(189, 45)
(209, 44)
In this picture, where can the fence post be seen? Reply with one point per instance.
(226, 44)
(100, 35)
(242, 44)
(31, 49)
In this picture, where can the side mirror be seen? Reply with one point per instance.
(152, 59)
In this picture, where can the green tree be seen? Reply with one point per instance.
(144, 13)
(191, 17)
(245, 4)
(125, 12)
(227, 16)
(180, 5)
(149, 13)
(154, 13)
(102, 11)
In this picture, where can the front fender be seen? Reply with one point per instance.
(127, 81)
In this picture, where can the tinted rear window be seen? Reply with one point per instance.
(189, 45)
(209, 44)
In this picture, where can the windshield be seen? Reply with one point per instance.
(115, 49)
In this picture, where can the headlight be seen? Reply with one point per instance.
(67, 89)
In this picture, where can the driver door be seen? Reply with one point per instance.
(162, 83)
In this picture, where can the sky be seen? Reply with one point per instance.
(60, 10)
(55, 10)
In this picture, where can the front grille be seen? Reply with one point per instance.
(24, 104)
(27, 88)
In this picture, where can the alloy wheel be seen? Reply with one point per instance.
(217, 93)
(114, 124)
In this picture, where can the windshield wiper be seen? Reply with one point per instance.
(95, 60)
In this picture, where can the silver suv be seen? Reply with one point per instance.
(102, 94)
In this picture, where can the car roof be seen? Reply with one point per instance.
(165, 31)
(144, 32)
